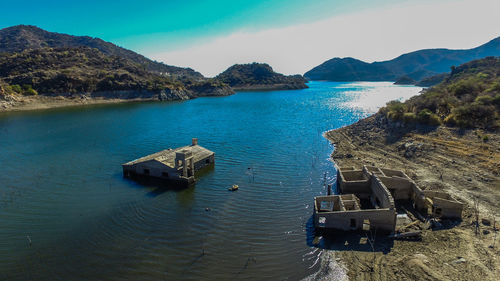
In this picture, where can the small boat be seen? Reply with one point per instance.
(233, 188)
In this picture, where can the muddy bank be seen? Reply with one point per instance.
(464, 163)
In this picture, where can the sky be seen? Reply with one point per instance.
(291, 35)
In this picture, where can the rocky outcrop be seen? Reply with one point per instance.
(173, 94)
(210, 88)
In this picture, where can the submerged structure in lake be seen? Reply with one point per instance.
(369, 199)
(174, 165)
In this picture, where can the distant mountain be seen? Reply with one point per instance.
(23, 37)
(259, 76)
(416, 65)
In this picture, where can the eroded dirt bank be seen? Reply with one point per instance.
(44, 102)
(464, 163)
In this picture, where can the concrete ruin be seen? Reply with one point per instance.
(174, 165)
(368, 199)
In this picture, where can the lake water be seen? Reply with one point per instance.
(67, 213)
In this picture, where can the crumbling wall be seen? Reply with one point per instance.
(400, 188)
(446, 208)
(380, 195)
(354, 182)
(380, 219)
(204, 162)
(394, 173)
(443, 205)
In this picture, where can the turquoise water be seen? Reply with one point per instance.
(67, 213)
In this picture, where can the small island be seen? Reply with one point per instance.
(259, 76)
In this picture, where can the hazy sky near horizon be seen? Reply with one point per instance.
(291, 35)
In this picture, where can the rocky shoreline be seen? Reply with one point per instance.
(464, 163)
(15, 102)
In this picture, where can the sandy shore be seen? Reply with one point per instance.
(466, 164)
(26, 103)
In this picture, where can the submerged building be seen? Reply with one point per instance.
(174, 165)
(368, 199)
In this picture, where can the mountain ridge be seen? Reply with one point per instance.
(417, 65)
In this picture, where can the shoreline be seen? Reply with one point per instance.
(448, 159)
(36, 103)
(20, 103)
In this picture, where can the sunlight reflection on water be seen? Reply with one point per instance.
(370, 96)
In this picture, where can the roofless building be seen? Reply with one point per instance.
(175, 165)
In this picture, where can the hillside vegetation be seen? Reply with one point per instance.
(259, 76)
(18, 38)
(37, 63)
(469, 97)
(416, 65)
(76, 70)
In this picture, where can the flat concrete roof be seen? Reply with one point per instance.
(167, 156)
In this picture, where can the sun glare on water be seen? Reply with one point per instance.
(371, 96)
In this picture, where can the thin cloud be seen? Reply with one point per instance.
(369, 35)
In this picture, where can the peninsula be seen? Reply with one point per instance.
(446, 139)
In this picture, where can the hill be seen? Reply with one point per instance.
(259, 76)
(468, 97)
(86, 75)
(77, 70)
(416, 65)
(41, 69)
(23, 37)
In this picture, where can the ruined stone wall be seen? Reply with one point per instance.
(155, 168)
(448, 208)
(380, 194)
(353, 182)
(203, 163)
(400, 188)
(393, 173)
(381, 219)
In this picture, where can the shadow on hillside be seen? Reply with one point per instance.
(395, 132)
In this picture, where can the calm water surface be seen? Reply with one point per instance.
(66, 213)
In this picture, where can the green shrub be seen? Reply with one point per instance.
(16, 88)
(29, 91)
(409, 117)
(450, 120)
(484, 99)
(427, 117)
(463, 88)
(496, 100)
(395, 110)
(474, 115)
(495, 87)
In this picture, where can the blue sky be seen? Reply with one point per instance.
(145, 24)
(291, 35)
